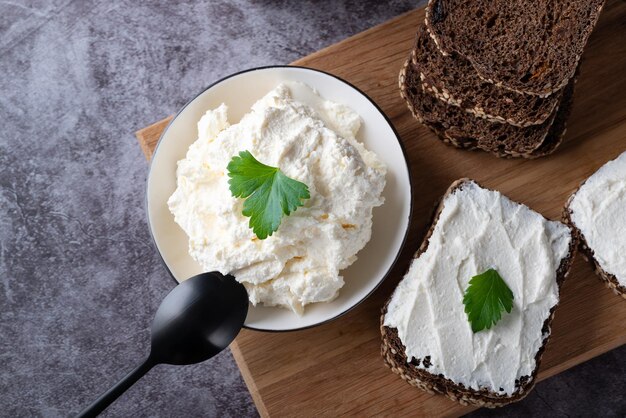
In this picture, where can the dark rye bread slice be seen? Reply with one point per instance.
(609, 279)
(452, 78)
(559, 125)
(393, 351)
(528, 47)
(463, 130)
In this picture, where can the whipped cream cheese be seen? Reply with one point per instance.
(480, 229)
(313, 142)
(598, 209)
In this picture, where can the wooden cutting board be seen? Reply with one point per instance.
(336, 369)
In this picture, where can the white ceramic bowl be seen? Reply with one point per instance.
(239, 91)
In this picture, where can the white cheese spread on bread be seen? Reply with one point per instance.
(478, 229)
(313, 142)
(598, 210)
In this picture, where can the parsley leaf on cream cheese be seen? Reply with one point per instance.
(268, 193)
(485, 299)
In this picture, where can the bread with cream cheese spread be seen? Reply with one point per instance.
(423, 372)
(596, 211)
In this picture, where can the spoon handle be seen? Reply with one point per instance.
(120, 387)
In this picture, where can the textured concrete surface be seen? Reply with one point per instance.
(79, 278)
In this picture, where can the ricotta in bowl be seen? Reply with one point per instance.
(312, 141)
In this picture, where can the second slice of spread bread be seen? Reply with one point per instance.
(598, 211)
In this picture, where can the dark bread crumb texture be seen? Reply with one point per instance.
(609, 279)
(393, 351)
(528, 47)
(452, 79)
(464, 130)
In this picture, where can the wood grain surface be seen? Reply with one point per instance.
(336, 369)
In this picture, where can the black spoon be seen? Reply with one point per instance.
(199, 318)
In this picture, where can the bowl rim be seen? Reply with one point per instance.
(396, 135)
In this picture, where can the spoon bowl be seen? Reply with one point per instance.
(199, 318)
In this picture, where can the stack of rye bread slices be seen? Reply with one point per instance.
(498, 75)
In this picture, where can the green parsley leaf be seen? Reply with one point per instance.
(268, 192)
(485, 299)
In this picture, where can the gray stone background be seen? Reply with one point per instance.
(79, 278)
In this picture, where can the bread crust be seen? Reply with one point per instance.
(609, 279)
(546, 143)
(393, 351)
